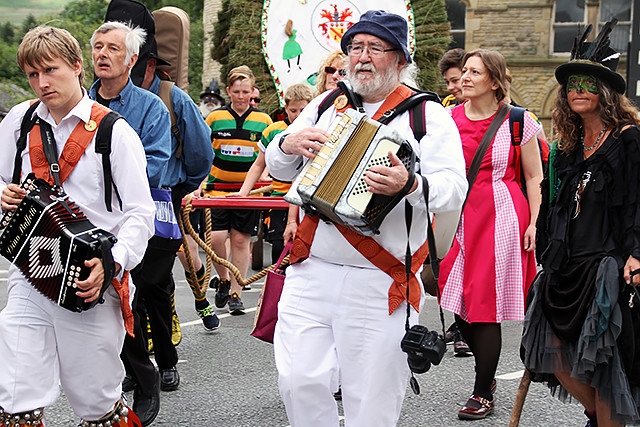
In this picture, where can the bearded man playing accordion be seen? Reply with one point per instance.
(340, 314)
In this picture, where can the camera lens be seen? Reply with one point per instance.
(418, 365)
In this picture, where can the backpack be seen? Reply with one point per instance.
(137, 13)
(172, 36)
(102, 146)
(516, 126)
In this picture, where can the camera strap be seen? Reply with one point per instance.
(408, 217)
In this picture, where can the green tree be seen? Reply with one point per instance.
(7, 33)
(29, 22)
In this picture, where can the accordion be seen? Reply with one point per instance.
(332, 185)
(49, 238)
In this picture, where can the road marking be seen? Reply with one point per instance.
(511, 376)
(340, 418)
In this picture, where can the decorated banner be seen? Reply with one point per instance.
(298, 34)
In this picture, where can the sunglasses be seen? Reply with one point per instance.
(210, 100)
(256, 100)
(331, 70)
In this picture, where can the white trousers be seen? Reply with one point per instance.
(334, 321)
(43, 345)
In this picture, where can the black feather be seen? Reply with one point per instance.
(598, 48)
(578, 42)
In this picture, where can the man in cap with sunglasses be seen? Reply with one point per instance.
(341, 311)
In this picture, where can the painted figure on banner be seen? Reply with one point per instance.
(291, 49)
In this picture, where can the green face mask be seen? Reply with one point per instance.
(582, 82)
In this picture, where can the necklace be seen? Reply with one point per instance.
(595, 144)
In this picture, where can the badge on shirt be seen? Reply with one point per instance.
(90, 126)
(341, 102)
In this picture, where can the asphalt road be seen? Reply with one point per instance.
(228, 378)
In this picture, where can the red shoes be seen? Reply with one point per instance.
(471, 413)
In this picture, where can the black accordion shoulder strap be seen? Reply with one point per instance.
(28, 120)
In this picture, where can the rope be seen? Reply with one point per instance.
(218, 260)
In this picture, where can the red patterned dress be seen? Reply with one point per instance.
(486, 274)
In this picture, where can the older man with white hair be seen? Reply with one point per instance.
(115, 47)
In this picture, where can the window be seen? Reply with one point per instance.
(621, 9)
(456, 11)
(569, 18)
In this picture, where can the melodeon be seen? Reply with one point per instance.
(49, 239)
(332, 184)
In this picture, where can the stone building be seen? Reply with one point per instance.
(535, 36)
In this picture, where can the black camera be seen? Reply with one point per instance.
(423, 348)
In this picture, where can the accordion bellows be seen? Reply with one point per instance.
(332, 184)
(48, 238)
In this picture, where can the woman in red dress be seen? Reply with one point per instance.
(485, 275)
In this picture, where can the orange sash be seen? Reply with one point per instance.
(375, 253)
(75, 146)
(393, 100)
(122, 288)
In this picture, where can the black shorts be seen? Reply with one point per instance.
(242, 220)
(277, 224)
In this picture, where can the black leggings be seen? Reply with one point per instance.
(485, 341)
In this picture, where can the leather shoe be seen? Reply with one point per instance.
(471, 412)
(128, 384)
(170, 379)
(146, 407)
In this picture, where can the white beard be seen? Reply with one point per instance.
(205, 109)
(382, 84)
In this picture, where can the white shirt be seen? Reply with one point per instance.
(441, 162)
(133, 225)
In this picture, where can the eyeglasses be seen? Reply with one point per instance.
(256, 100)
(331, 70)
(372, 51)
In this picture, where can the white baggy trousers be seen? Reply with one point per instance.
(43, 345)
(334, 322)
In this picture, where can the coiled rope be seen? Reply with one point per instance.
(185, 224)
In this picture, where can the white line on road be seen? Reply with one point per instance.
(511, 376)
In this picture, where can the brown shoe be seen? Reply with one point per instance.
(471, 411)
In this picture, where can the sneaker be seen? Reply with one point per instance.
(222, 294)
(214, 282)
(210, 320)
(246, 287)
(176, 331)
(460, 346)
(235, 305)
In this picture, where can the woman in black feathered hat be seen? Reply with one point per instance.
(582, 326)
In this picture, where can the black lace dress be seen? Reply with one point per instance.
(589, 224)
